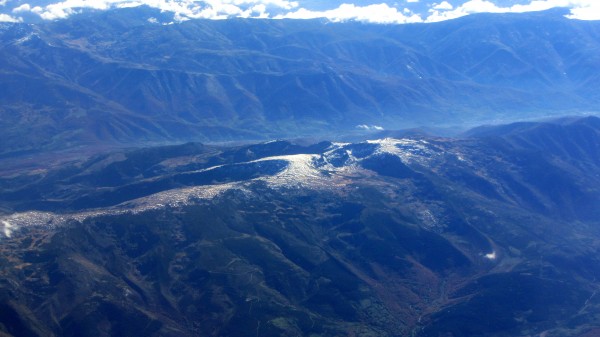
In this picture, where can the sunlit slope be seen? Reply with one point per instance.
(115, 78)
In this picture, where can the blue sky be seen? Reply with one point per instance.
(373, 11)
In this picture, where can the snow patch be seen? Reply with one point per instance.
(301, 171)
(26, 38)
(170, 198)
(177, 197)
(408, 150)
(428, 220)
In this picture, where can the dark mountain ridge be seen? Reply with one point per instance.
(491, 234)
(115, 78)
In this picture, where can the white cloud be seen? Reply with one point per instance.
(469, 7)
(580, 9)
(183, 9)
(589, 12)
(377, 13)
(8, 18)
(369, 127)
(7, 227)
(444, 5)
(22, 8)
(3, 2)
(61, 10)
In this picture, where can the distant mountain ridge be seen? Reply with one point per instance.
(115, 78)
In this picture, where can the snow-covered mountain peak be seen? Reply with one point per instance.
(408, 150)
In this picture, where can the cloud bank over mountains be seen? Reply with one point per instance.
(402, 12)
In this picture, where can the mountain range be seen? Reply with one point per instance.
(127, 77)
(491, 233)
(299, 177)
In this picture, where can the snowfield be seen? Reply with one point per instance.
(312, 171)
